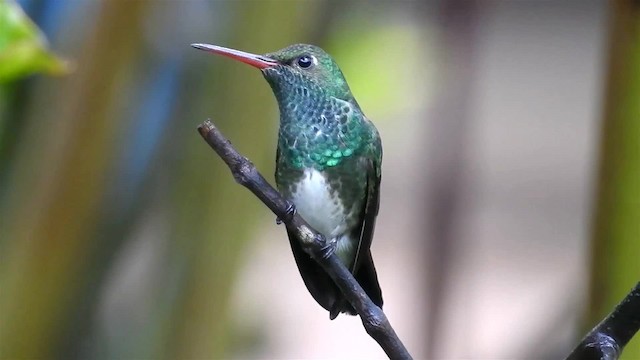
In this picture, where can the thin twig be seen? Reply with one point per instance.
(607, 339)
(373, 318)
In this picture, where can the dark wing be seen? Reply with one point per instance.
(370, 208)
(363, 268)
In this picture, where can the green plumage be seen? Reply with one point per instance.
(322, 128)
(327, 163)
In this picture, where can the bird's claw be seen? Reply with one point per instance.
(290, 212)
(328, 249)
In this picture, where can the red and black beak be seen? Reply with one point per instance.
(258, 61)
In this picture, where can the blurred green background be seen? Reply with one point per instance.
(511, 177)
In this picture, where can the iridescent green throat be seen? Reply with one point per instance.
(317, 130)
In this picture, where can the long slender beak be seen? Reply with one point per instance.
(259, 61)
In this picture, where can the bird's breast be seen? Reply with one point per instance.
(322, 208)
(319, 204)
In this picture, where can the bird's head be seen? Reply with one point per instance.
(293, 69)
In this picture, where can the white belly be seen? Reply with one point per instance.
(323, 211)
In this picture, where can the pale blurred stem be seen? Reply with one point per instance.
(450, 122)
(607, 339)
(373, 318)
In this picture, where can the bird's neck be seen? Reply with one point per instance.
(320, 133)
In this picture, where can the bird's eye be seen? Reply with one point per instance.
(305, 61)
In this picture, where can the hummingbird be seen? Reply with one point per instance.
(328, 163)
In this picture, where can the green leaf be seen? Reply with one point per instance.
(23, 48)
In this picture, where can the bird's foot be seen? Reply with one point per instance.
(291, 211)
(328, 249)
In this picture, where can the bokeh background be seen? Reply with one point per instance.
(510, 219)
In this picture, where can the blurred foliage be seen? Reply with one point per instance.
(616, 242)
(55, 192)
(121, 233)
(81, 185)
(217, 242)
(387, 92)
(23, 49)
